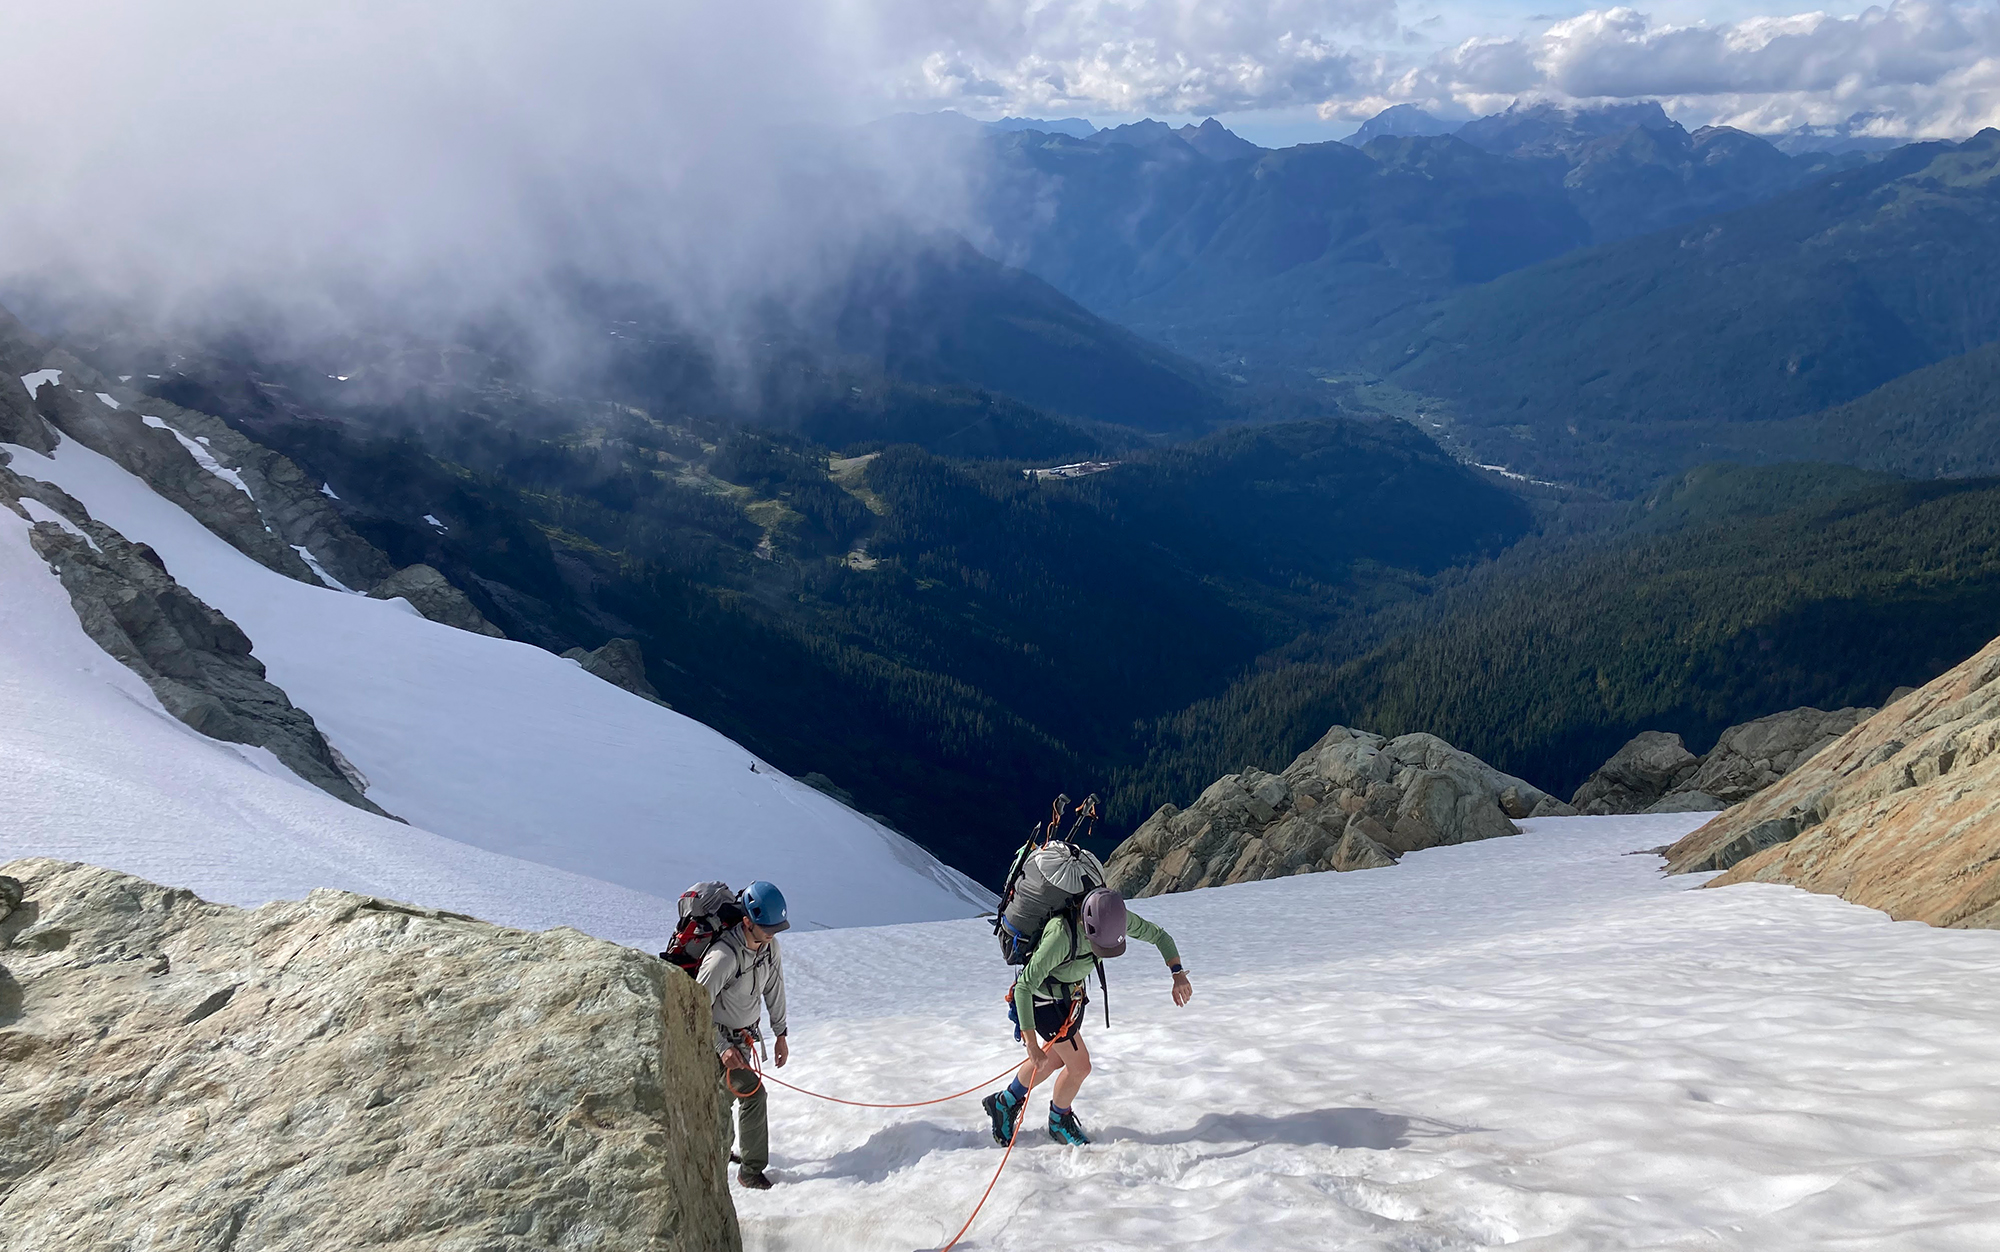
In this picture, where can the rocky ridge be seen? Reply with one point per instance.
(1352, 801)
(1902, 814)
(342, 1072)
(1655, 773)
(198, 663)
(257, 500)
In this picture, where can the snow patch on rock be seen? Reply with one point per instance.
(203, 457)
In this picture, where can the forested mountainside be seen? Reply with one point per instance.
(933, 635)
(1732, 593)
(1940, 421)
(1616, 364)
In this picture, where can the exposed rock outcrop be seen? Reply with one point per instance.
(1655, 772)
(620, 663)
(1352, 801)
(290, 502)
(197, 662)
(343, 1072)
(258, 500)
(156, 454)
(1901, 814)
(433, 595)
(19, 422)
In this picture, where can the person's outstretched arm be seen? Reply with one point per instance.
(1139, 928)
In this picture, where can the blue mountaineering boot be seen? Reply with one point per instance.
(1004, 1107)
(1064, 1128)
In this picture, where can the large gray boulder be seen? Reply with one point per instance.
(1652, 764)
(622, 664)
(1655, 772)
(1353, 800)
(343, 1072)
(436, 597)
(1754, 755)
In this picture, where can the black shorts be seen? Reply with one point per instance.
(1055, 1023)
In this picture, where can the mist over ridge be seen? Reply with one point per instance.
(387, 163)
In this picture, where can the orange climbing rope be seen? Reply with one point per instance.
(994, 1181)
(757, 1069)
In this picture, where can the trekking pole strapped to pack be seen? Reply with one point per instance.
(1046, 881)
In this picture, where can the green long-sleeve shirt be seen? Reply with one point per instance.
(1061, 960)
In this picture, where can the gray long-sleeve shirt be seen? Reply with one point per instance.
(741, 983)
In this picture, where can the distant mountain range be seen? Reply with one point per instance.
(1258, 261)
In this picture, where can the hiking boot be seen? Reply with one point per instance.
(753, 1179)
(1064, 1128)
(1005, 1110)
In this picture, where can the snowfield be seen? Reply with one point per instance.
(93, 769)
(497, 746)
(1533, 1042)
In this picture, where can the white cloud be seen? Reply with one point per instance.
(1916, 60)
(1927, 66)
(456, 151)
(1128, 57)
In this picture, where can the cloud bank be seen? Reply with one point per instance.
(447, 153)
(1925, 68)
(439, 157)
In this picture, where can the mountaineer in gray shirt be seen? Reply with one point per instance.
(743, 974)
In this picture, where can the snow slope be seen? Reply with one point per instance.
(93, 769)
(1534, 1042)
(507, 748)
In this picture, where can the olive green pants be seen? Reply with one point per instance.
(754, 1129)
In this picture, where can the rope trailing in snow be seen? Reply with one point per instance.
(757, 1071)
(1034, 1081)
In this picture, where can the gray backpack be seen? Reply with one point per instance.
(1044, 883)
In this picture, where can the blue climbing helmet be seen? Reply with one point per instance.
(765, 905)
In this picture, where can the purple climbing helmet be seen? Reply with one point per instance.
(1104, 922)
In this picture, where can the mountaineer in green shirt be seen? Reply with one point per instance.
(1048, 1000)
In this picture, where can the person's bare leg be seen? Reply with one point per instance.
(1075, 1068)
(1030, 1074)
